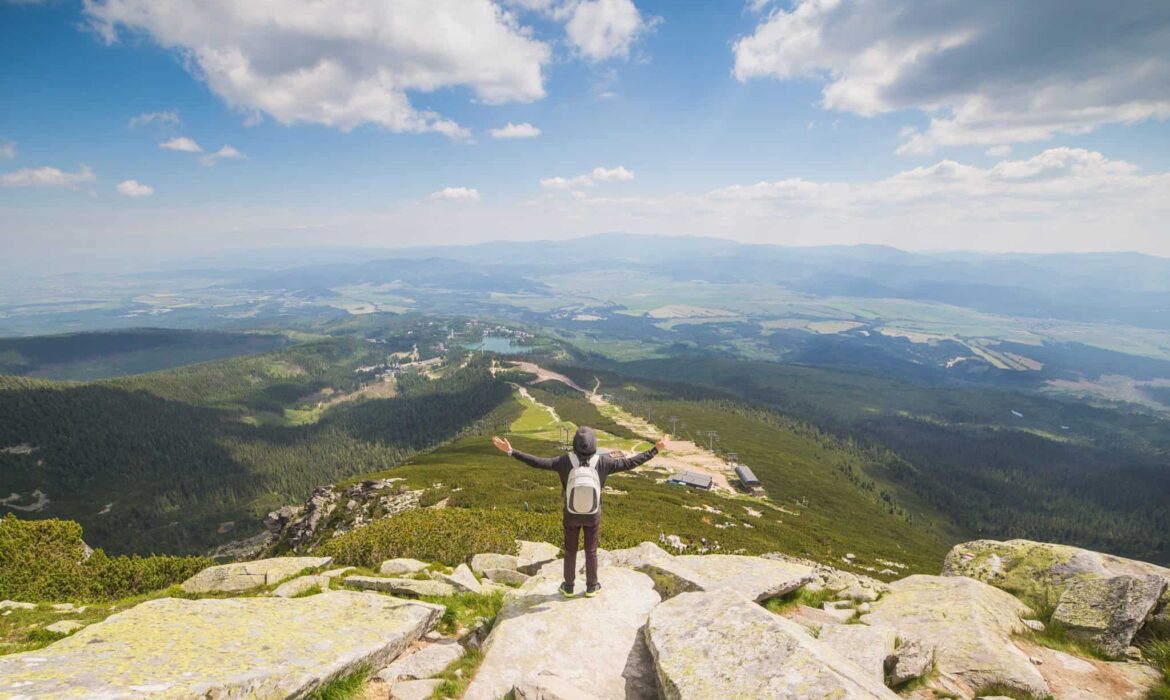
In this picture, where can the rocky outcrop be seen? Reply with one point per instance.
(240, 647)
(242, 576)
(723, 645)
(590, 643)
(531, 558)
(968, 624)
(1109, 611)
(331, 511)
(1039, 571)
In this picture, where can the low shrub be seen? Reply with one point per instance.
(46, 560)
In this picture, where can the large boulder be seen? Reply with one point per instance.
(461, 579)
(401, 567)
(721, 644)
(1109, 611)
(594, 644)
(968, 624)
(490, 560)
(244, 575)
(221, 648)
(1039, 572)
(532, 555)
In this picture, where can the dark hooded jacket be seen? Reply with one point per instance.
(585, 445)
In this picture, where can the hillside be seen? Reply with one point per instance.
(177, 461)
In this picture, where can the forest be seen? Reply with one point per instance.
(144, 467)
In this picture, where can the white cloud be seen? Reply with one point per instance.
(224, 153)
(598, 174)
(986, 73)
(516, 131)
(182, 144)
(168, 118)
(344, 63)
(46, 177)
(7, 150)
(603, 29)
(133, 188)
(455, 194)
(1001, 151)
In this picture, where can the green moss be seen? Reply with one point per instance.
(311, 590)
(464, 610)
(801, 596)
(993, 689)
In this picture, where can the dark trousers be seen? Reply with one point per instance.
(591, 533)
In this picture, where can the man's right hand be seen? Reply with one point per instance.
(502, 445)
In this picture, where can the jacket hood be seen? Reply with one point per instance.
(585, 442)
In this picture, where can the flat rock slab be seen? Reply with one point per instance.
(594, 644)
(1109, 611)
(461, 579)
(491, 560)
(399, 567)
(758, 579)
(414, 690)
(1077, 678)
(426, 662)
(548, 686)
(532, 555)
(244, 575)
(722, 644)
(968, 624)
(238, 647)
(402, 586)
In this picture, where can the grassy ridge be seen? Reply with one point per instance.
(491, 499)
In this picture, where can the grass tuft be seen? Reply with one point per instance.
(344, 687)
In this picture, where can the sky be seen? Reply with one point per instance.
(133, 130)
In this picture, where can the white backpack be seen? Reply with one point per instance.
(583, 491)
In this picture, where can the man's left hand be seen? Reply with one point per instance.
(661, 444)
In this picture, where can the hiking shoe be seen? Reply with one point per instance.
(591, 591)
(567, 590)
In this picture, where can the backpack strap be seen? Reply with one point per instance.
(595, 460)
(573, 460)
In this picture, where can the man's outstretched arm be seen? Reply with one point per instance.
(628, 463)
(504, 446)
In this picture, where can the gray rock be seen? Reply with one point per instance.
(757, 578)
(1040, 571)
(1109, 611)
(909, 661)
(722, 644)
(244, 575)
(15, 605)
(461, 579)
(299, 585)
(424, 663)
(593, 643)
(414, 690)
(812, 619)
(221, 648)
(399, 567)
(1034, 625)
(533, 555)
(970, 626)
(490, 560)
(868, 646)
(506, 577)
(407, 586)
(549, 686)
(64, 626)
(334, 573)
(839, 613)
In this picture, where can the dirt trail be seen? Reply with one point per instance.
(680, 455)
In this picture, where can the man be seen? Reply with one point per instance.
(583, 458)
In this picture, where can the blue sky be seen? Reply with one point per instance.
(984, 126)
